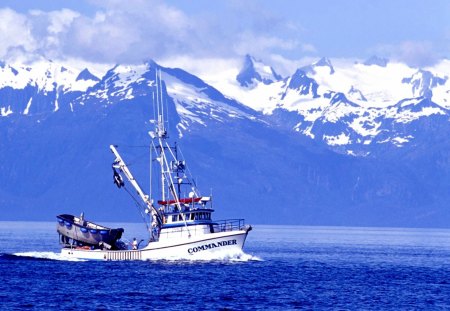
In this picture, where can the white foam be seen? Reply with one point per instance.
(47, 255)
(224, 256)
(227, 256)
(246, 257)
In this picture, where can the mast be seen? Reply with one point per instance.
(160, 134)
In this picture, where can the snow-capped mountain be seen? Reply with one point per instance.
(323, 64)
(39, 88)
(353, 107)
(375, 60)
(120, 83)
(423, 82)
(254, 71)
(333, 143)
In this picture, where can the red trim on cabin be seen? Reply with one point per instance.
(182, 201)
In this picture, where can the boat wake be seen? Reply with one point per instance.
(237, 257)
(215, 257)
(248, 257)
(45, 256)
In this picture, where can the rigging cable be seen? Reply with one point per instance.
(139, 206)
(190, 177)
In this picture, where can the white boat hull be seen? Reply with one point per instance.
(206, 247)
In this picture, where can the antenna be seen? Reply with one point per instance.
(151, 173)
(154, 106)
(157, 98)
(160, 127)
(162, 100)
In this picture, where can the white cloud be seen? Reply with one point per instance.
(413, 53)
(57, 21)
(285, 66)
(208, 69)
(130, 31)
(49, 28)
(308, 48)
(15, 33)
(118, 32)
(252, 43)
(136, 30)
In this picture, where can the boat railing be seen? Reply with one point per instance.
(228, 225)
(205, 228)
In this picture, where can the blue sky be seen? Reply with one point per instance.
(116, 31)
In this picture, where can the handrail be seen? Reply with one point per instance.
(228, 225)
(215, 226)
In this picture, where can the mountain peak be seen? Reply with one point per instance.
(302, 84)
(356, 93)
(419, 104)
(86, 75)
(377, 61)
(150, 63)
(256, 71)
(323, 62)
(341, 98)
(423, 82)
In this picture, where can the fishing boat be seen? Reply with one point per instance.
(178, 219)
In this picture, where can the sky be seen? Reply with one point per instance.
(285, 32)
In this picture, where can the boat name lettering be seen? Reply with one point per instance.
(211, 245)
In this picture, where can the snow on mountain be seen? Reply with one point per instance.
(197, 102)
(119, 83)
(423, 82)
(441, 92)
(356, 94)
(346, 104)
(86, 75)
(368, 85)
(302, 85)
(254, 71)
(323, 65)
(40, 86)
(45, 75)
(5, 111)
(350, 103)
(409, 110)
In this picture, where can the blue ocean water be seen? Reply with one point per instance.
(287, 267)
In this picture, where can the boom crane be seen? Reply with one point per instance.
(119, 163)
